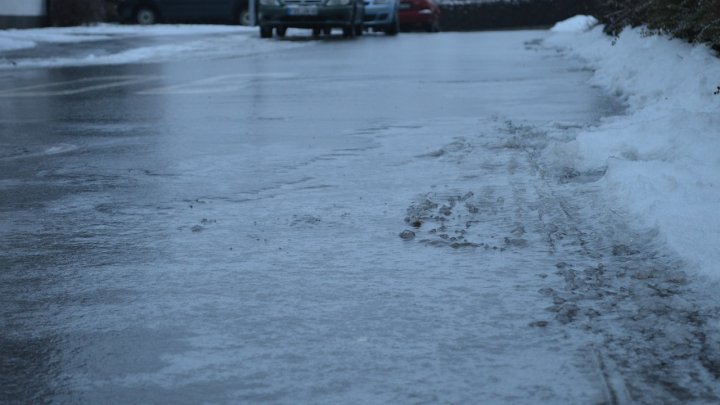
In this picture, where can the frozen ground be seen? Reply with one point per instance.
(296, 238)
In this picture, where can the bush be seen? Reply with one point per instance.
(65, 13)
(693, 20)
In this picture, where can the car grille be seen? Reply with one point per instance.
(374, 17)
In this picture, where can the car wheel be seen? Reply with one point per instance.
(358, 30)
(243, 17)
(327, 30)
(281, 31)
(349, 31)
(145, 15)
(434, 26)
(316, 32)
(265, 32)
(394, 27)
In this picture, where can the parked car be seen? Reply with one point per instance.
(318, 15)
(154, 11)
(424, 14)
(382, 15)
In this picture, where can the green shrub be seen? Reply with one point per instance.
(692, 20)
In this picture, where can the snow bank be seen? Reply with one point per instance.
(14, 39)
(11, 44)
(578, 23)
(191, 41)
(663, 155)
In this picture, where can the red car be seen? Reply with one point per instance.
(424, 14)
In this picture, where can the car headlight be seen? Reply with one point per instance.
(337, 2)
(425, 11)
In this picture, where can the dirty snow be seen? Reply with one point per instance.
(661, 158)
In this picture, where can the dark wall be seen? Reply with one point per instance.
(77, 12)
(512, 14)
(7, 21)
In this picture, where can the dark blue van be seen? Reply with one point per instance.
(154, 11)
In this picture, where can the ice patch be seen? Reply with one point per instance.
(62, 148)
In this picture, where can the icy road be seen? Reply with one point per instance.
(331, 222)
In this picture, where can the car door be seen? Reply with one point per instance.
(169, 9)
(219, 9)
(207, 9)
(197, 10)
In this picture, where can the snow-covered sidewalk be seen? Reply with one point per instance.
(662, 157)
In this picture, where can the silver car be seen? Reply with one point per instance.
(382, 15)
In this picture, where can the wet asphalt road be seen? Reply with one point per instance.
(226, 231)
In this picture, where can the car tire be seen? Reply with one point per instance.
(358, 30)
(394, 27)
(243, 17)
(281, 31)
(434, 26)
(145, 15)
(327, 30)
(265, 31)
(349, 31)
(316, 31)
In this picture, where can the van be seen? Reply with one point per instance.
(154, 11)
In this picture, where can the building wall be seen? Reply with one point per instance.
(23, 13)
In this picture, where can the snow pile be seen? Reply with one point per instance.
(663, 156)
(578, 23)
(13, 39)
(165, 42)
(11, 44)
